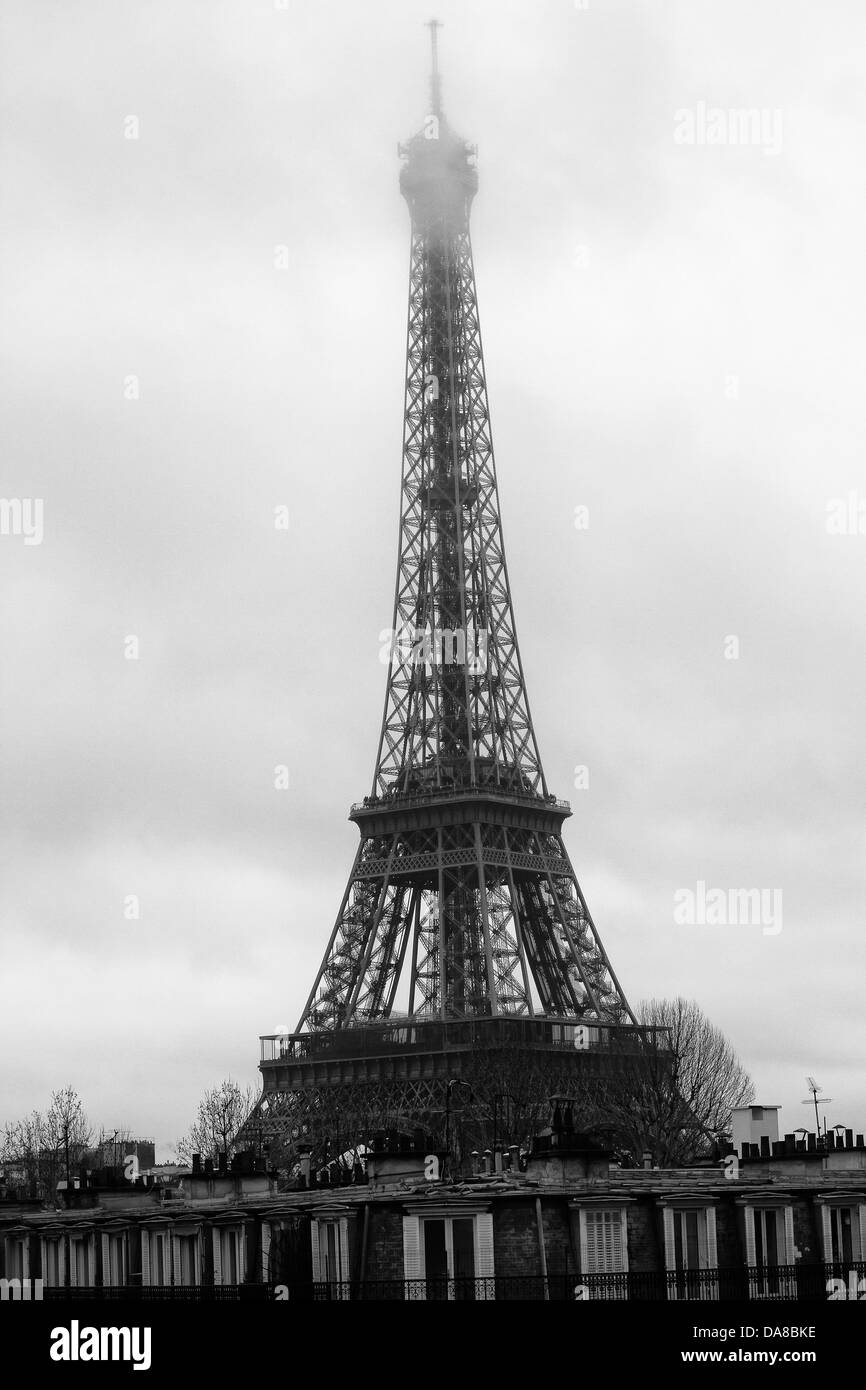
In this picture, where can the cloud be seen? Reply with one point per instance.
(691, 375)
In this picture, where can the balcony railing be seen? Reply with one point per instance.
(800, 1283)
(416, 1035)
(464, 790)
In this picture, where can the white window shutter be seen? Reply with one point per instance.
(861, 1212)
(670, 1240)
(597, 1251)
(751, 1248)
(412, 1248)
(344, 1250)
(217, 1256)
(106, 1262)
(712, 1258)
(314, 1242)
(825, 1232)
(266, 1252)
(603, 1241)
(146, 1238)
(789, 1237)
(598, 1243)
(619, 1228)
(584, 1242)
(701, 1223)
(242, 1254)
(484, 1267)
(595, 1242)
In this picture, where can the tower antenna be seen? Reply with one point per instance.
(435, 80)
(813, 1100)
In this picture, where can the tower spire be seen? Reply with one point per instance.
(435, 81)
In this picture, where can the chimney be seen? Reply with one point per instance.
(304, 1157)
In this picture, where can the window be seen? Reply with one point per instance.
(770, 1250)
(448, 1256)
(690, 1252)
(766, 1236)
(330, 1238)
(156, 1265)
(228, 1255)
(331, 1256)
(52, 1262)
(603, 1242)
(844, 1232)
(604, 1251)
(690, 1239)
(114, 1264)
(17, 1262)
(80, 1262)
(842, 1235)
(186, 1262)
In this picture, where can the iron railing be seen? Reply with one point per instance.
(464, 790)
(422, 1035)
(778, 1283)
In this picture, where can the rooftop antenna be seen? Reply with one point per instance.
(435, 80)
(813, 1100)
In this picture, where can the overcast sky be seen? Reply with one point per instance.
(673, 336)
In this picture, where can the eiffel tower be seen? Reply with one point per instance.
(463, 949)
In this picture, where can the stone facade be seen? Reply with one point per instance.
(568, 1224)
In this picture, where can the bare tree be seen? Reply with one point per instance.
(20, 1151)
(221, 1113)
(67, 1131)
(45, 1148)
(675, 1097)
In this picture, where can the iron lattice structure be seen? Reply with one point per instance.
(462, 905)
